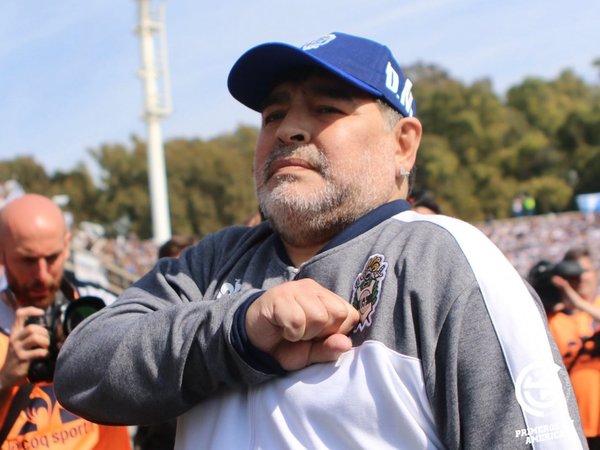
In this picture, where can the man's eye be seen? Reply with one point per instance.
(328, 109)
(272, 117)
(52, 258)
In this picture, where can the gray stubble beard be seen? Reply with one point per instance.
(311, 219)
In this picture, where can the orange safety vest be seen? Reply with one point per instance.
(44, 424)
(568, 331)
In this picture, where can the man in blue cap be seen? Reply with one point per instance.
(344, 320)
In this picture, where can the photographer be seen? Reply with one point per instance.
(34, 246)
(581, 295)
(567, 290)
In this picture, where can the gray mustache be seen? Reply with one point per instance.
(313, 155)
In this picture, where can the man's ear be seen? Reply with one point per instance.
(67, 247)
(408, 132)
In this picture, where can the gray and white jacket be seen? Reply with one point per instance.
(452, 349)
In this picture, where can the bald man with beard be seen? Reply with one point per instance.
(34, 246)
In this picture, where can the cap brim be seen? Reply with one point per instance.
(258, 70)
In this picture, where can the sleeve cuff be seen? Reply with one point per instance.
(255, 358)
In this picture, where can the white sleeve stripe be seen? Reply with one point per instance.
(520, 330)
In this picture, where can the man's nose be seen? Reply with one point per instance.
(42, 269)
(294, 128)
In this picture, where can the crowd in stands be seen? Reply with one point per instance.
(132, 254)
(524, 241)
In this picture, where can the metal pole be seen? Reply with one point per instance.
(153, 112)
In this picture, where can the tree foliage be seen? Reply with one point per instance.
(29, 173)
(543, 139)
(479, 151)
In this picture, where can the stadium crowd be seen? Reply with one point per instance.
(524, 241)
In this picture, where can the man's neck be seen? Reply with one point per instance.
(299, 255)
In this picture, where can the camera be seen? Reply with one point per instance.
(59, 319)
(540, 278)
(589, 346)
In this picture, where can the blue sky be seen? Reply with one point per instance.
(68, 68)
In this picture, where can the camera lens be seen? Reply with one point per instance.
(80, 309)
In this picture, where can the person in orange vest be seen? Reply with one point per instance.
(579, 339)
(34, 246)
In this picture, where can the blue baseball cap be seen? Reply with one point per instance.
(361, 62)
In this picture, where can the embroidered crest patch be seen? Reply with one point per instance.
(367, 289)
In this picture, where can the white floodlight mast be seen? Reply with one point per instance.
(157, 104)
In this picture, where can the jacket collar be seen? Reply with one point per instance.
(363, 224)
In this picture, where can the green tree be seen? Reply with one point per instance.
(579, 136)
(547, 104)
(552, 193)
(210, 183)
(124, 186)
(27, 172)
(79, 186)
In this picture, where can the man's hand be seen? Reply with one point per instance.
(301, 323)
(26, 343)
(572, 299)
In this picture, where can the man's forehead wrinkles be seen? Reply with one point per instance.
(37, 252)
